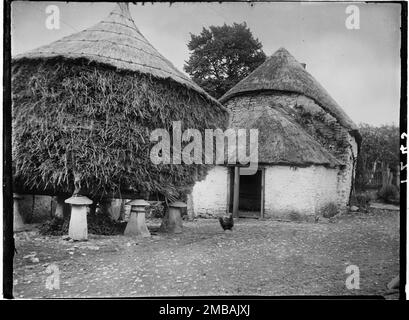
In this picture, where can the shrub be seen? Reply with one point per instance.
(361, 200)
(295, 216)
(329, 210)
(388, 193)
(98, 223)
(55, 227)
(156, 210)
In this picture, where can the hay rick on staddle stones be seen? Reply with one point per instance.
(94, 97)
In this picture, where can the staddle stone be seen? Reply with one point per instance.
(136, 226)
(78, 229)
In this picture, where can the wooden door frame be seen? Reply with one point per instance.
(236, 191)
(236, 184)
(263, 188)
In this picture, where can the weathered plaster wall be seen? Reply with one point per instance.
(209, 196)
(287, 189)
(303, 190)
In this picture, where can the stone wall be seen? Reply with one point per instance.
(241, 105)
(36, 208)
(346, 174)
(209, 196)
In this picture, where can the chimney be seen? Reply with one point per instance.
(304, 65)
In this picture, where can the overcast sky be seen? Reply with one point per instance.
(359, 68)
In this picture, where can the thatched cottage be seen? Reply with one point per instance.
(84, 107)
(307, 147)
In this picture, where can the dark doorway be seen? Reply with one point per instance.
(250, 194)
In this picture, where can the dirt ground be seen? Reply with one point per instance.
(265, 258)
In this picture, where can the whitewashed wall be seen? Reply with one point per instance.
(304, 190)
(287, 189)
(209, 196)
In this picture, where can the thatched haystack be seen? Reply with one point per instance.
(84, 107)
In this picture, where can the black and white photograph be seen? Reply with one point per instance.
(209, 149)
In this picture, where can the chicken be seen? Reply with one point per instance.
(227, 223)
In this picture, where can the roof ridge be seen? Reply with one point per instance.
(117, 43)
(97, 44)
(128, 61)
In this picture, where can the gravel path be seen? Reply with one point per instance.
(257, 258)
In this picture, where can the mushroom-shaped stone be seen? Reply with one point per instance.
(136, 225)
(172, 222)
(178, 204)
(18, 223)
(78, 229)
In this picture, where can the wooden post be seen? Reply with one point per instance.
(236, 192)
(263, 175)
(385, 174)
(228, 191)
(190, 206)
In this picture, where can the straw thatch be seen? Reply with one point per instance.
(282, 140)
(84, 107)
(282, 72)
(115, 41)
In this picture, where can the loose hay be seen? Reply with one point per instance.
(95, 121)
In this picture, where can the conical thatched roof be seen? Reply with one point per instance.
(282, 72)
(283, 141)
(115, 41)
